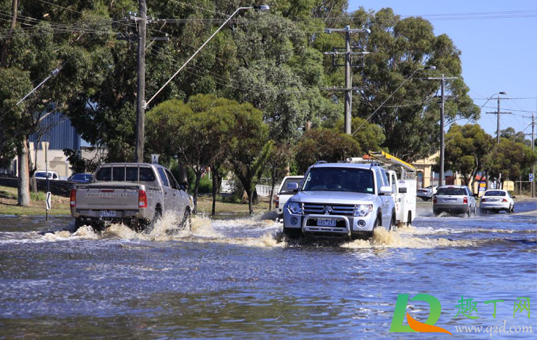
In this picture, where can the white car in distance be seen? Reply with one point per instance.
(496, 200)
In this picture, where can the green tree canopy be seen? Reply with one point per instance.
(327, 145)
(509, 158)
(466, 148)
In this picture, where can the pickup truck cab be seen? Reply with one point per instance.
(136, 194)
(340, 200)
(284, 192)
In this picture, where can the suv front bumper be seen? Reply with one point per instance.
(344, 225)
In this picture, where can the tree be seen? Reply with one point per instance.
(466, 148)
(326, 145)
(510, 159)
(203, 133)
(37, 48)
(249, 147)
(398, 48)
(368, 136)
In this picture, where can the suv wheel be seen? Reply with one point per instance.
(292, 233)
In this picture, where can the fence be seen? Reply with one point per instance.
(523, 188)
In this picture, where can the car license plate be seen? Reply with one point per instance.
(108, 213)
(450, 199)
(326, 222)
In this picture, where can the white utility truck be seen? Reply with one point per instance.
(402, 178)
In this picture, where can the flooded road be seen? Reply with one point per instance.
(239, 279)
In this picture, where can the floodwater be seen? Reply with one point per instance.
(237, 278)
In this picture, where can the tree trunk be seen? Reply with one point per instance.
(251, 201)
(23, 190)
(196, 188)
(215, 189)
(273, 184)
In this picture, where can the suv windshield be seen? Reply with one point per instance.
(451, 191)
(339, 179)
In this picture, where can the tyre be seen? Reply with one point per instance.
(151, 225)
(292, 233)
(392, 222)
(78, 224)
(512, 210)
(469, 212)
(186, 223)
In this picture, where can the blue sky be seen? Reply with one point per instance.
(498, 43)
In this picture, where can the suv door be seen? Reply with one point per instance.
(386, 200)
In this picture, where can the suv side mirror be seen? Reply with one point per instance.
(292, 186)
(385, 190)
(183, 186)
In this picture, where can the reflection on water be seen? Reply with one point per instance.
(240, 278)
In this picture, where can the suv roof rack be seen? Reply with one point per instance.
(320, 162)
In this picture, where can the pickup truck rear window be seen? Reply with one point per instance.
(128, 174)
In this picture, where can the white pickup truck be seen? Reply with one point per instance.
(284, 193)
(136, 194)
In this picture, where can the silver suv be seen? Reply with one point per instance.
(340, 200)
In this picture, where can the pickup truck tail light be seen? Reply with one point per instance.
(465, 200)
(73, 197)
(277, 201)
(142, 199)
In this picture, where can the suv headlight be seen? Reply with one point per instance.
(295, 208)
(362, 210)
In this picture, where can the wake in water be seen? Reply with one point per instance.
(265, 233)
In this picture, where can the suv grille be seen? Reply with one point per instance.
(331, 209)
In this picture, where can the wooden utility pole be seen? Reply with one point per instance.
(5, 47)
(348, 72)
(442, 122)
(498, 118)
(140, 99)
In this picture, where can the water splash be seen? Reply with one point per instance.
(394, 239)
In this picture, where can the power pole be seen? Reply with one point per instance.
(442, 123)
(498, 119)
(532, 151)
(140, 20)
(348, 74)
(140, 99)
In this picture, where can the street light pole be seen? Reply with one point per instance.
(442, 123)
(262, 8)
